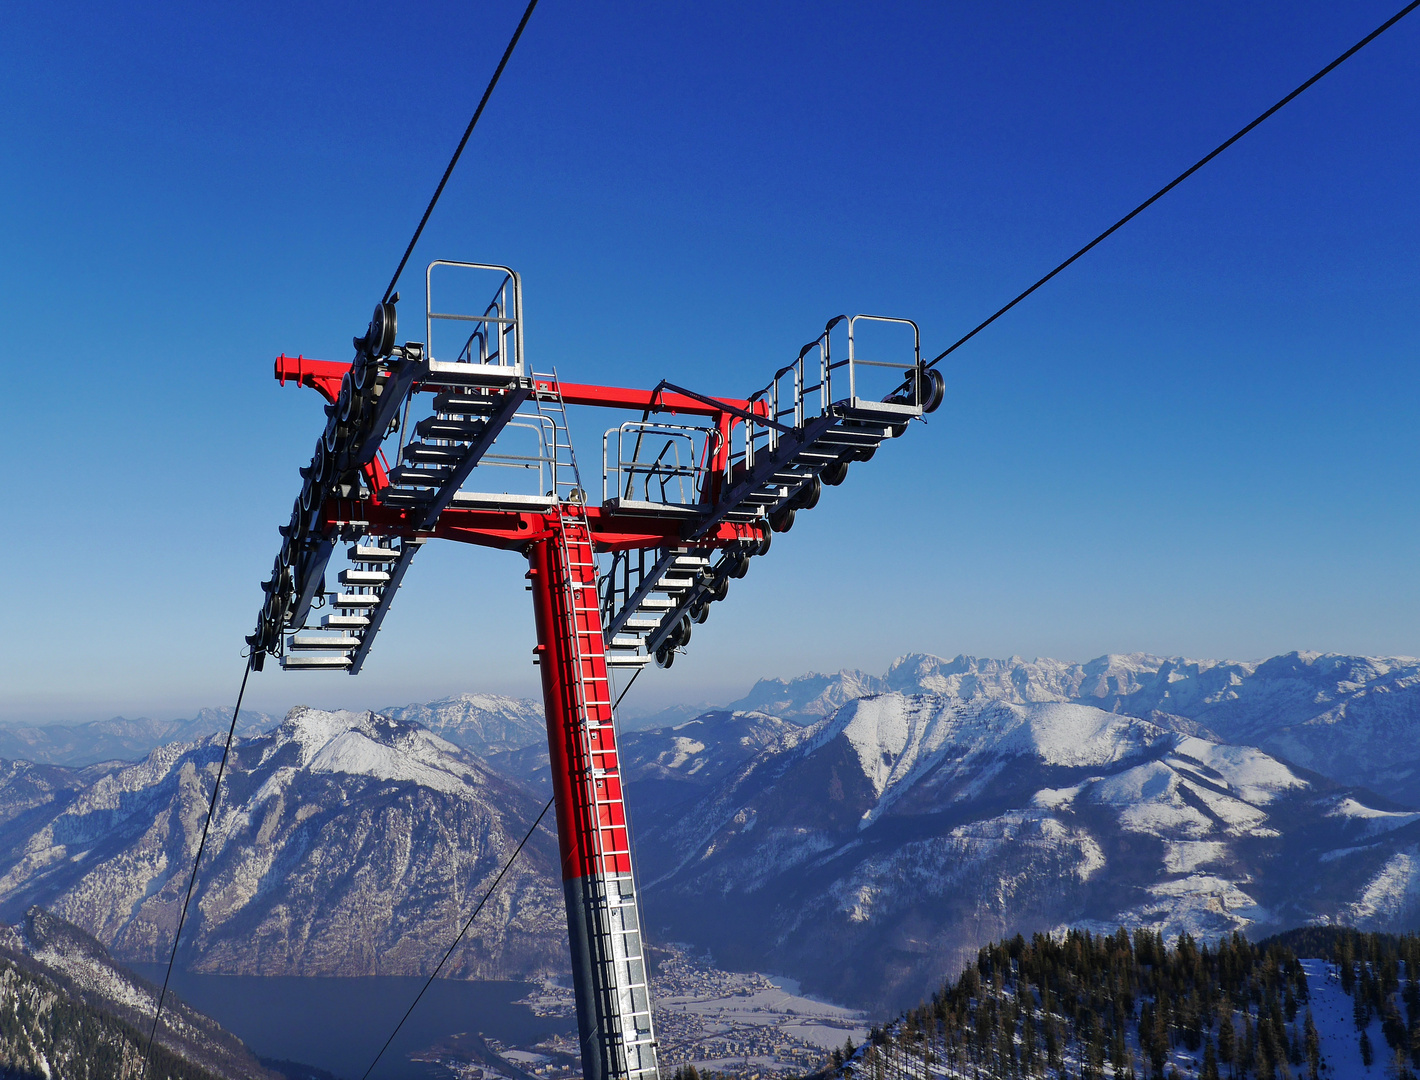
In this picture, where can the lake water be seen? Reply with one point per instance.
(340, 1024)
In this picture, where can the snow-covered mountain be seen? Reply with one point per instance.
(72, 1004)
(1355, 719)
(884, 844)
(487, 724)
(119, 739)
(344, 844)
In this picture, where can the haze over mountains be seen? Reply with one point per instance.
(860, 833)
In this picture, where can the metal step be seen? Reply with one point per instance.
(673, 584)
(366, 554)
(355, 600)
(684, 562)
(328, 662)
(626, 660)
(634, 623)
(424, 454)
(657, 603)
(465, 404)
(344, 622)
(399, 496)
(626, 641)
(882, 411)
(850, 437)
(431, 477)
(439, 427)
(364, 577)
(304, 640)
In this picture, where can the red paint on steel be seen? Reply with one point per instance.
(514, 530)
(577, 696)
(321, 375)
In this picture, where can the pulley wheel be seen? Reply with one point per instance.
(864, 453)
(721, 589)
(806, 498)
(762, 547)
(782, 520)
(700, 612)
(936, 390)
(383, 326)
(835, 473)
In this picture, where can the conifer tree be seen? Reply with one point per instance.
(1210, 1061)
(1312, 1047)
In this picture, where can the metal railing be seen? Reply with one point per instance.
(496, 339)
(812, 385)
(677, 474)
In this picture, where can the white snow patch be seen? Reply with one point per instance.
(1254, 776)
(1395, 889)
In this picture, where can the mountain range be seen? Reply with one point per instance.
(859, 833)
(345, 843)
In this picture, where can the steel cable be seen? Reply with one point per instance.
(478, 112)
(196, 862)
(1181, 177)
(450, 952)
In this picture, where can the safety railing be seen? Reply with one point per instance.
(493, 339)
(814, 383)
(541, 459)
(861, 373)
(667, 464)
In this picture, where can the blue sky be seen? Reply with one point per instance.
(1198, 440)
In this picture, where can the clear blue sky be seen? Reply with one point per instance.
(1198, 440)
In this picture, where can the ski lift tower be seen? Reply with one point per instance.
(454, 438)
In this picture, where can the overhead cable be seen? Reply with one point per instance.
(488, 93)
(196, 862)
(450, 951)
(1181, 177)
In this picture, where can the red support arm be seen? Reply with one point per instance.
(321, 375)
(512, 529)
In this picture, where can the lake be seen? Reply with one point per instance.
(340, 1024)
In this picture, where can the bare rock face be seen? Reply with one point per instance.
(343, 844)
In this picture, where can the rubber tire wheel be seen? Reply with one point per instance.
(740, 567)
(765, 537)
(721, 589)
(835, 473)
(782, 520)
(864, 453)
(665, 656)
(682, 633)
(936, 391)
(700, 612)
(806, 498)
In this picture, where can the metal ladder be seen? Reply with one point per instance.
(619, 962)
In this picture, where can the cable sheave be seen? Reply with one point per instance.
(1181, 177)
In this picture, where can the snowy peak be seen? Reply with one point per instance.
(809, 697)
(898, 739)
(371, 745)
(1351, 718)
(483, 723)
